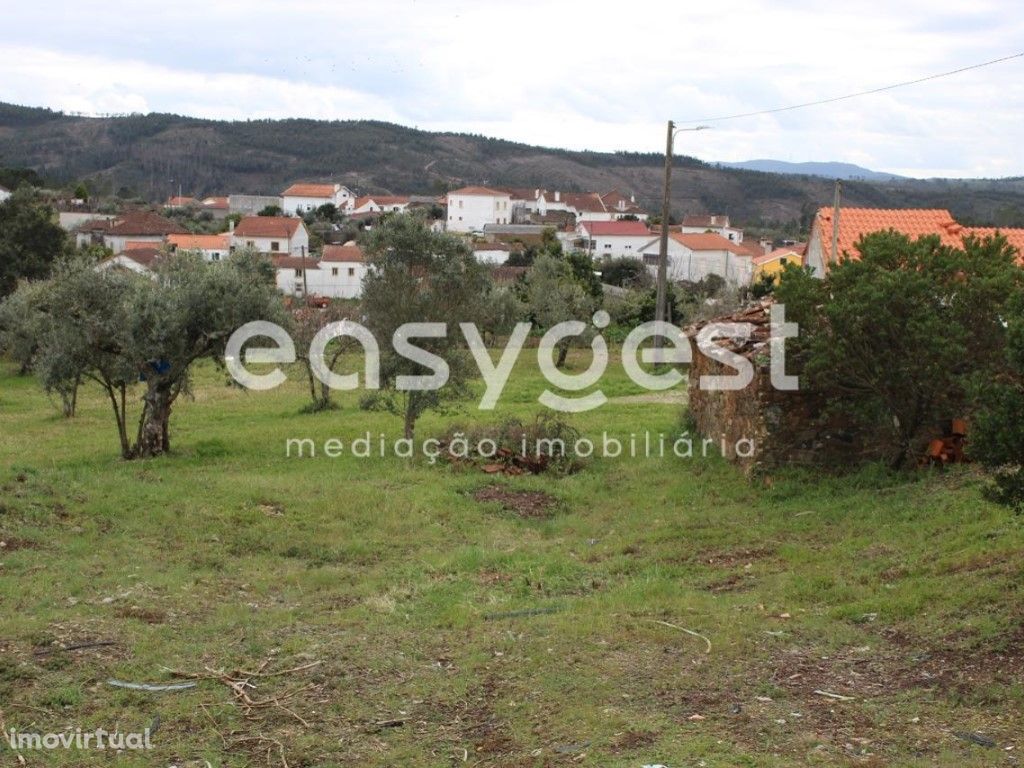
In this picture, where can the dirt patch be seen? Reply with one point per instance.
(525, 504)
(13, 543)
(733, 557)
(148, 615)
(736, 582)
(633, 740)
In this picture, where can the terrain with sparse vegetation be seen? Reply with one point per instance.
(393, 612)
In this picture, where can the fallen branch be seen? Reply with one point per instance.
(150, 686)
(836, 696)
(682, 629)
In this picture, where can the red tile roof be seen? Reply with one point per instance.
(268, 226)
(180, 202)
(309, 190)
(623, 228)
(350, 253)
(281, 261)
(200, 242)
(144, 256)
(479, 192)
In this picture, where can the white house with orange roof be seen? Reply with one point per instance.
(470, 208)
(380, 204)
(337, 274)
(694, 256)
(694, 224)
(302, 197)
(342, 269)
(613, 238)
(212, 247)
(272, 234)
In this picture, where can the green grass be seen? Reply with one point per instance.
(902, 593)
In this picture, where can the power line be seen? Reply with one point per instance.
(855, 95)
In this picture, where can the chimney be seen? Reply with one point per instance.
(558, 196)
(231, 226)
(766, 245)
(632, 198)
(536, 194)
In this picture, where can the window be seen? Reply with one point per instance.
(298, 273)
(460, 203)
(215, 257)
(607, 246)
(334, 271)
(275, 246)
(351, 271)
(250, 243)
(651, 258)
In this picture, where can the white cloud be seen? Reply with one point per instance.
(597, 75)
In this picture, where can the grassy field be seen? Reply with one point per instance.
(414, 624)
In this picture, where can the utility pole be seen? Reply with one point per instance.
(305, 285)
(836, 199)
(659, 303)
(660, 296)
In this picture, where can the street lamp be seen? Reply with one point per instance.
(659, 307)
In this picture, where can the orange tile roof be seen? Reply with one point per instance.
(350, 253)
(268, 226)
(708, 241)
(309, 190)
(136, 245)
(778, 253)
(856, 222)
(478, 192)
(144, 254)
(180, 202)
(200, 242)
(218, 203)
(1015, 237)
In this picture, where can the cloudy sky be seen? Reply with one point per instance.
(583, 75)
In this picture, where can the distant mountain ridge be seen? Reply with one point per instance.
(828, 170)
(152, 155)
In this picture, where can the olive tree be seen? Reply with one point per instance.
(554, 294)
(126, 331)
(419, 276)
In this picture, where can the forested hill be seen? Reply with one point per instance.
(151, 155)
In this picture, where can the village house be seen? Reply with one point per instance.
(696, 224)
(295, 275)
(137, 256)
(219, 207)
(285, 235)
(342, 268)
(301, 198)
(470, 208)
(774, 262)
(181, 201)
(380, 204)
(4, 193)
(211, 247)
(136, 226)
(543, 206)
(612, 238)
(693, 257)
(854, 223)
(491, 253)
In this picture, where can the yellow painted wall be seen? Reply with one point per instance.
(776, 266)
